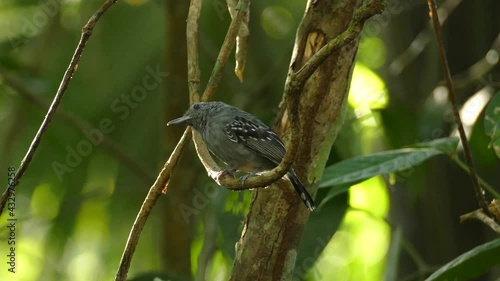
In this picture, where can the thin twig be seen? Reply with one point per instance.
(68, 75)
(148, 204)
(226, 48)
(494, 208)
(483, 183)
(192, 51)
(451, 95)
(106, 143)
(479, 215)
(241, 39)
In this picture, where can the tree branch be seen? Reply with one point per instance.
(192, 51)
(494, 209)
(365, 12)
(484, 184)
(241, 40)
(226, 48)
(154, 193)
(453, 100)
(68, 75)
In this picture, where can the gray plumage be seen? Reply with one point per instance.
(240, 140)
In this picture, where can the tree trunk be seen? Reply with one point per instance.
(267, 249)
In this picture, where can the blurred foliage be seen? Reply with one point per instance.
(492, 123)
(470, 264)
(77, 202)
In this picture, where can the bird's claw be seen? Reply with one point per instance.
(245, 177)
(226, 172)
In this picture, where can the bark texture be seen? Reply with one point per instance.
(267, 249)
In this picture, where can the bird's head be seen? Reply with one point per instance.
(198, 114)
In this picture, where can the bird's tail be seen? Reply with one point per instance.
(301, 190)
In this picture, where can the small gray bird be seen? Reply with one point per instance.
(240, 140)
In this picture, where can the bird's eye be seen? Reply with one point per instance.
(196, 106)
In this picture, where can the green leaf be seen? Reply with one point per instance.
(334, 192)
(446, 145)
(357, 169)
(492, 123)
(346, 173)
(470, 264)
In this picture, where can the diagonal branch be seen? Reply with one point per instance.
(453, 100)
(226, 48)
(148, 204)
(68, 75)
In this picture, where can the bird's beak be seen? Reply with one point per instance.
(180, 120)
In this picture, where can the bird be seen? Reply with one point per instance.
(240, 140)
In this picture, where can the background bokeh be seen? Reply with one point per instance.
(77, 202)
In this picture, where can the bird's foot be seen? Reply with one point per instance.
(245, 177)
(226, 172)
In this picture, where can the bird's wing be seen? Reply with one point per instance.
(256, 136)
